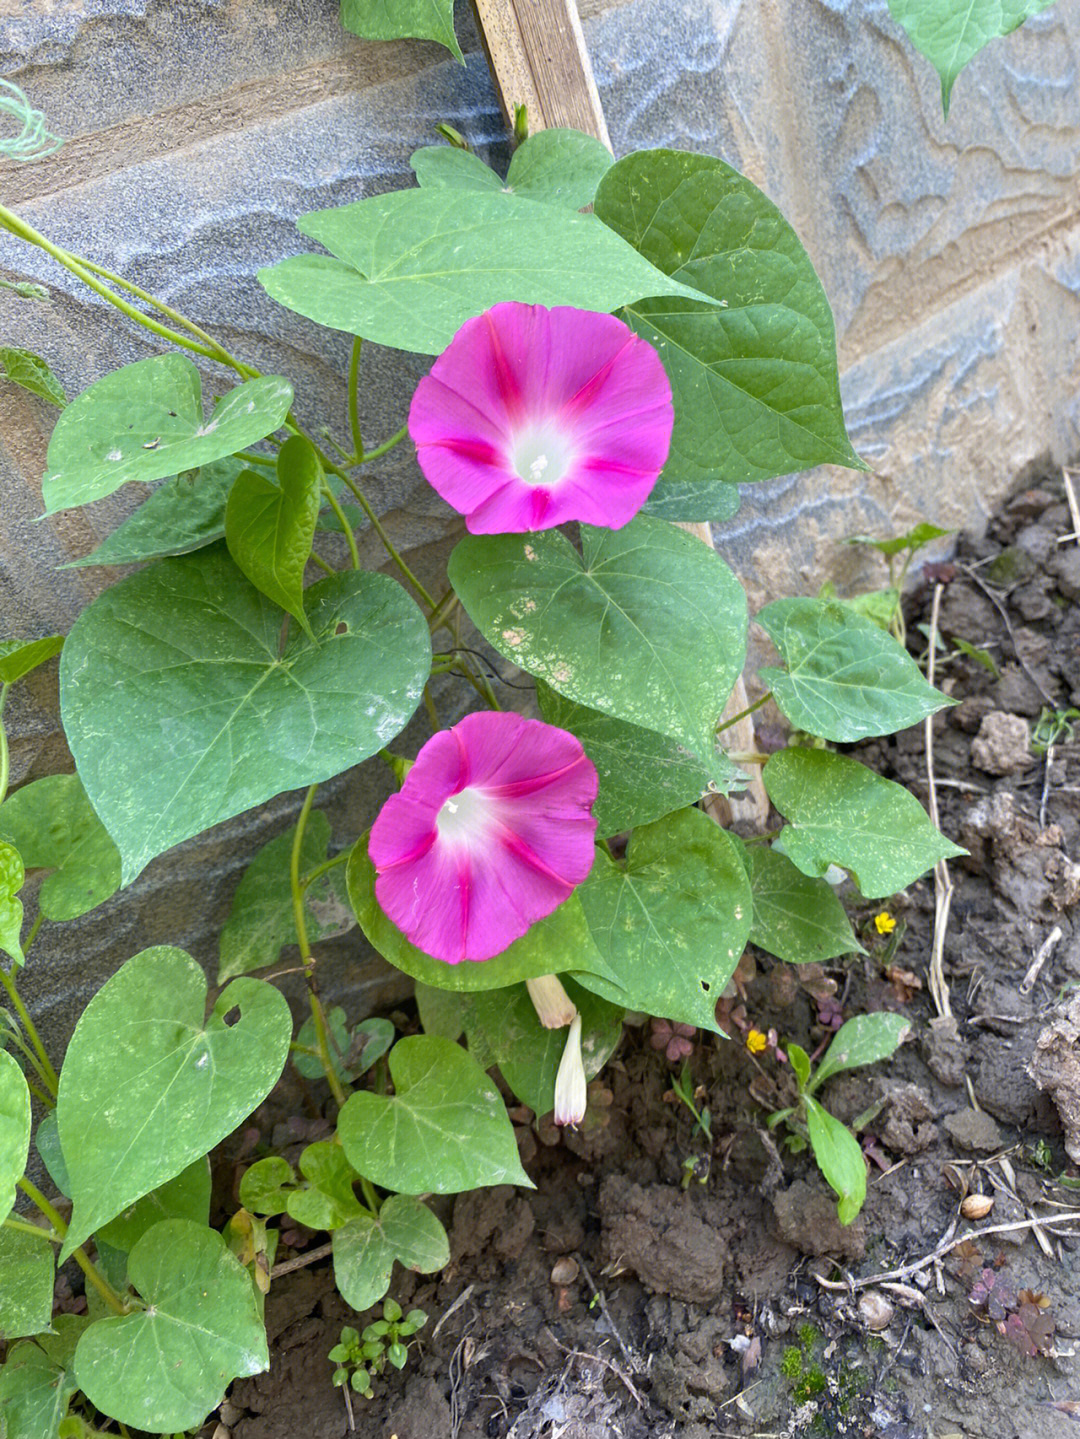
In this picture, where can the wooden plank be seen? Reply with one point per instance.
(536, 50)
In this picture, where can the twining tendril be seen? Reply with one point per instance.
(35, 140)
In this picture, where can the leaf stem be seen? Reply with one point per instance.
(5, 759)
(749, 710)
(39, 920)
(370, 1196)
(251, 458)
(309, 879)
(318, 1017)
(350, 538)
(376, 525)
(440, 615)
(23, 1226)
(93, 1275)
(317, 559)
(46, 1070)
(747, 756)
(354, 400)
(386, 445)
(14, 1037)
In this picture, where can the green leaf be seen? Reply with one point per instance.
(54, 827)
(556, 944)
(145, 421)
(442, 1011)
(643, 775)
(403, 19)
(269, 527)
(444, 1130)
(796, 918)
(559, 167)
(36, 1383)
(839, 1158)
(502, 1027)
(148, 1086)
(182, 515)
(12, 875)
(839, 812)
(185, 654)
(261, 921)
(185, 1197)
(23, 367)
(350, 1054)
(165, 1367)
(26, 1294)
(800, 1064)
(451, 168)
(913, 540)
(19, 657)
(47, 1144)
(365, 1249)
(328, 1202)
(693, 501)
(266, 1186)
(863, 1040)
(672, 923)
(879, 606)
(14, 1129)
(412, 266)
(846, 679)
(952, 32)
(755, 381)
(649, 625)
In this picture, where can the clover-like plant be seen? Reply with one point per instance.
(361, 1357)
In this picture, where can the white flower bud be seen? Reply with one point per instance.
(554, 1007)
(570, 1085)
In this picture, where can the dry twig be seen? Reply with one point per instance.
(943, 886)
(1045, 950)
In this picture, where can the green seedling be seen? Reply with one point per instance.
(1053, 727)
(695, 1166)
(883, 606)
(361, 1357)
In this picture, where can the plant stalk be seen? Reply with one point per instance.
(318, 1016)
(47, 1072)
(93, 1274)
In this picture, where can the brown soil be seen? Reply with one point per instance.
(689, 1306)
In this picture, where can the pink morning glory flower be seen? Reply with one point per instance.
(490, 832)
(532, 417)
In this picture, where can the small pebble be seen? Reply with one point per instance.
(875, 1311)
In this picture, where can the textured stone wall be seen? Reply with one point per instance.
(199, 129)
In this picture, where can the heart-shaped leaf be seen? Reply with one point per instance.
(55, 828)
(673, 922)
(951, 34)
(839, 1157)
(145, 421)
(47, 1144)
(556, 944)
(352, 1053)
(410, 267)
(643, 775)
(26, 1295)
(913, 539)
(365, 1249)
(754, 379)
(165, 1367)
(266, 1186)
(503, 1028)
(648, 625)
(12, 874)
(445, 1129)
(182, 515)
(19, 657)
(839, 812)
(449, 167)
(415, 19)
(148, 1086)
(261, 920)
(560, 167)
(31, 372)
(865, 1039)
(697, 501)
(269, 527)
(328, 1202)
(187, 655)
(14, 1129)
(36, 1382)
(185, 1197)
(796, 918)
(846, 678)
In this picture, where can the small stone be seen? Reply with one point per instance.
(1003, 744)
(974, 1130)
(229, 1414)
(875, 1311)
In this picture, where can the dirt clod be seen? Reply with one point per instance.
(1003, 744)
(664, 1236)
(1055, 1067)
(973, 1130)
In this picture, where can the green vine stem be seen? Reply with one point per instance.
(93, 1275)
(320, 869)
(386, 446)
(45, 1068)
(749, 710)
(5, 758)
(376, 525)
(332, 499)
(370, 1196)
(318, 1016)
(14, 1037)
(35, 1231)
(354, 400)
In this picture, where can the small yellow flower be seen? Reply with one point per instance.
(884, 922)
(756, 1042)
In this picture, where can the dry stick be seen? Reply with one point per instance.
(1046, 949)
(630, 1358)
(943, 886)
(1047, 1221)
(1074, 508)
(302, 1261)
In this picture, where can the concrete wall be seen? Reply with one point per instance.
(198, 129)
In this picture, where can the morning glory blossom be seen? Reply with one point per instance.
(491, 831)
(532, 417)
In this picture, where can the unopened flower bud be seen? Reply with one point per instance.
(570, 1084)
(554, 1007)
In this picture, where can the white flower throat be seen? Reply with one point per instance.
(542, 455)
(464, 816)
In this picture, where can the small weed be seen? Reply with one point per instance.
(360, 1357)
